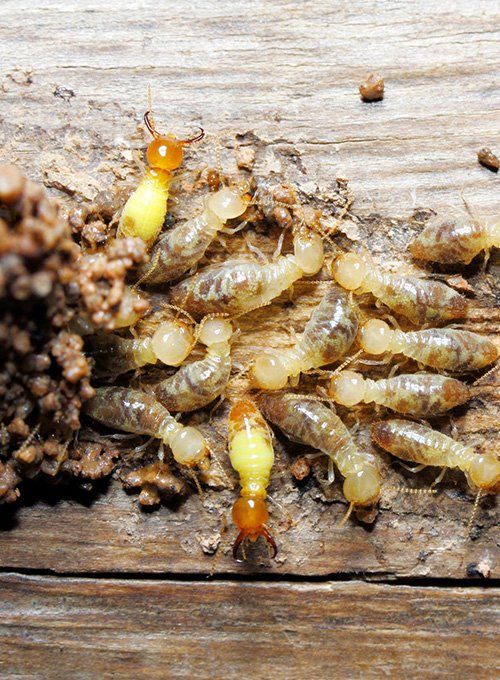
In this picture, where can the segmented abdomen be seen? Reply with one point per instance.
(130, 410)
(420, 444)
(331, 329)
(234, 287)
(250, 448)
(419, 395)
(420, 300)
(196, 384)
(144, 212)
(449, 242)
(309, 422)
(449, 349)
(180, 248)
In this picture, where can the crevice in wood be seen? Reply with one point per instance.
(388, 579)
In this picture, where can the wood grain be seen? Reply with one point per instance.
(73, 91)
(88, 628)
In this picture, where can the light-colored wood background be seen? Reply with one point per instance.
(288, 73)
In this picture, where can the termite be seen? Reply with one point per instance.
(198, 383)
(144, 212)
(421, 444)
(182, 247)
(281, 204)
(327, 337)
(309, 422)
(132, 410)
(417, 394)
(419, 300)
(455, 241)
(252, 456)
(236, 287)
(170, 343)
(447, 349)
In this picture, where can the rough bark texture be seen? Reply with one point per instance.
(73, 91)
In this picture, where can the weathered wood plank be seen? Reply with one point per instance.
(86, 628)
(412, 537)
(289, 73)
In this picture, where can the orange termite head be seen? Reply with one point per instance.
(250, 516)
(166, 151)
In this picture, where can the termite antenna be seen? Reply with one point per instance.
(410, 491)
(148, 116)
(179, 311)
(473, 514)
(346, 363)
(218, 554)
(283, 510)
(30, 438)
(197, 138)
(219, 465)
(347, 515)
(488, 373)
(193, 475)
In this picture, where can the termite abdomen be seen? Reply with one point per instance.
(455, 241)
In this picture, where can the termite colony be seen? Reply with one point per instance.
(169, 325)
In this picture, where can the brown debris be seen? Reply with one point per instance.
(486, 157)
(372, 89)
(92, 460)
(156, 482)
(101, 280)
(245, 157)
(44, 375)
(94, 220)
(300, 468)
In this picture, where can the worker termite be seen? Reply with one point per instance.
(327, 336)
(455, 241)
(252, 456)
(236, 287)
(170, 343)
(418, 394)
(133, 410)
(198, 383)
(144, 212)
(447, 349)
(309, 422)
(182, 247)
(421, 444)
(420, 300)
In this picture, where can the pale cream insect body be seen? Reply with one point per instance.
(309, 422)
(448, 349)
(455, 241)
(327, 337)
(133, 410)
(415, 394)
(421, 444)
(419, 300)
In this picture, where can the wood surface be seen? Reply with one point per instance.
(84, 628)
(284, 76)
